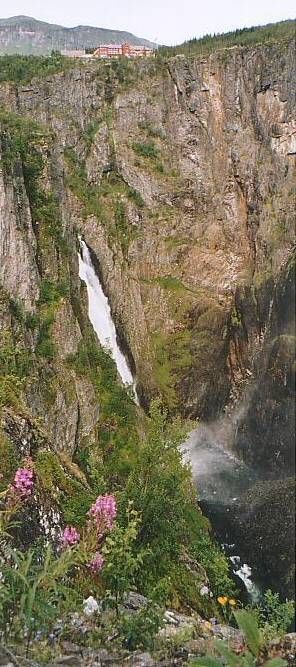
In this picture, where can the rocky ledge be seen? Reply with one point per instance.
(181, 639)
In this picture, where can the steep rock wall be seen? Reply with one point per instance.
(179, 175)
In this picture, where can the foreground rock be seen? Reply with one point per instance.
(181, 639)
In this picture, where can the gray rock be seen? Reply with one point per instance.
(135, 601)
(141, 660)
(67, 661)
(227, 632)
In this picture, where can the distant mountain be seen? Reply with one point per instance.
(25, 35)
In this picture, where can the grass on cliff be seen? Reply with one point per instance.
(107, 201)
(21, 69)
(272, 32)
(16, 359)
(25, 142)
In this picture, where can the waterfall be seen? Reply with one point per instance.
(99, 313)
(221, 480)
(244, 572)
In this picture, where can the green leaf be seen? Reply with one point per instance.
(232, 659)
(275, 662)
(248, 660)
(248, 625)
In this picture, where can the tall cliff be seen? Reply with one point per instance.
(179, 174)
(180, 178)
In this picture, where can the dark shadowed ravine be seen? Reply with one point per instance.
(222, 480)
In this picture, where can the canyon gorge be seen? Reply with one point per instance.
(175, 179)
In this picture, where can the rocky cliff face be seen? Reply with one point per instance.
(179, 175)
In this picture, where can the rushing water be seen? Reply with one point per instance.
(100, 315)
(221, 480)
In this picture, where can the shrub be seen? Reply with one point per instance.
(90, 133)
(162, 495)
(210, 555)
(8, 458)
(117, 436)
(34, 591)
(45, 345)
(23, 68)
(274, 617)
(136, 197)
(51, 292)
(122, 563)
(147, 149)
(15, 359)
(10, 391)
(139, 629)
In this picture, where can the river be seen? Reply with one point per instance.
(221, 480)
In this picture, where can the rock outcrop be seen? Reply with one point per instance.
(180, 177)
(179, 174)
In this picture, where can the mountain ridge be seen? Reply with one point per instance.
(51, 36)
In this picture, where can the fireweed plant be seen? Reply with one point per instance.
(101, 520)
(39, 586)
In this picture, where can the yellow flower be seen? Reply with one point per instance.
(232, 602)
(222, 599)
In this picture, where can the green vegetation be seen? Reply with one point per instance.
(151, 152)
(11, 391)
(136, 197)
(171, 283)
(272, 32)
(52, 292)
(90, 133)
(15, 363)
(161, 544)
(57, 476)
(236, 321)
(8, 458)
(15, 359)
(35, 592)
(139, 629)
(273, 616)
(172, 357)
(124, 70)
(250, 657)
(124, 562)
(50, 295)
(21, 69)
(171, 524)
(106, 201)
(158, 526)
(147, 149)
(23, 140)
(117, 428)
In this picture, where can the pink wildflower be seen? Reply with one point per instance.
(70, 537)
(24, 481)
(104, 511)
(96, 563)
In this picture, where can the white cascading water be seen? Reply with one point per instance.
(99, 313)
(221, 477)
(244, 572)
(215, 469)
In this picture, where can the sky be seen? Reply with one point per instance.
(163, 21)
